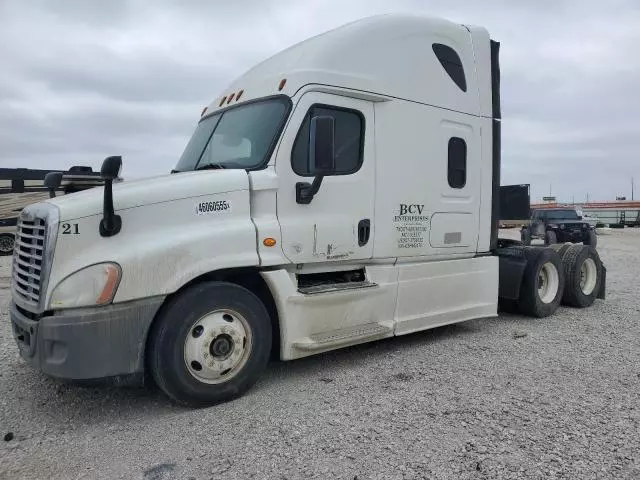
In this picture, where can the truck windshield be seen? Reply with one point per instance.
(240, 137)
(562, 215)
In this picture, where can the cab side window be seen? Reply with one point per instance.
(349, 141)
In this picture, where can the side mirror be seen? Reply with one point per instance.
(111, 223)
(111, 167)
(322, 159)
(52, 181)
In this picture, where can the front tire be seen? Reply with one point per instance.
(7, 243)
(542, 282)
(592, 239)
(210, 344)
(551, 238)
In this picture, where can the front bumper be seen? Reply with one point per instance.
(86, 344)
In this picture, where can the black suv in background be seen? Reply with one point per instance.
(558, 225)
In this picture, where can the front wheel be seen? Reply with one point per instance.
(551, 238)
(7, 242)
(210, 344)
(592, 239)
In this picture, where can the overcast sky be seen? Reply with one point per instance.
(81, 80)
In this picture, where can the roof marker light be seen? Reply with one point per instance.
(230, 98)
(222, 101)
(283, 82)
(204, 110)
(239, 95)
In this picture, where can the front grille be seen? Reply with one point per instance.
(28, 256)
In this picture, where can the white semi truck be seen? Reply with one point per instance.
(342, 191)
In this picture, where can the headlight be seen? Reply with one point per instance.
(94, 285)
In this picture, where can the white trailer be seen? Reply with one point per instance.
(342, 191)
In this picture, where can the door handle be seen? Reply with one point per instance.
(364, 230)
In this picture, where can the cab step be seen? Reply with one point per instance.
(344, 336)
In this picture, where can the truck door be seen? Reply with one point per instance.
(337, 223)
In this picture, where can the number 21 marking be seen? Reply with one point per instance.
(70, 229)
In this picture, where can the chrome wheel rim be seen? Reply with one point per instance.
(217, 346)
(548, 282)
(588, 276)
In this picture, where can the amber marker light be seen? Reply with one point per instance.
(269, 242)
(109, 290)
(283, 82)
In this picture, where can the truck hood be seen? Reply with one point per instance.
(151, 190)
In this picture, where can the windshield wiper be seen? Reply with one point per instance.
(210, 166)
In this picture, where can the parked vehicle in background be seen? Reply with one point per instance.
(558, 225)
(20, 187)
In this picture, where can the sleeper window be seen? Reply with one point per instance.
(349, 136)
(457, 171)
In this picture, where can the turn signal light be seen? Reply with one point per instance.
(269, 242)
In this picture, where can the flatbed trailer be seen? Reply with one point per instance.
(20, 187)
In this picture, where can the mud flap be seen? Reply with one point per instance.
(511, 269)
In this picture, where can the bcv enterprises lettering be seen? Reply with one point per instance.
(411, 225)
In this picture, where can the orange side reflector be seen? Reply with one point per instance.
(269, 242)
(230, 98)
(222, 101)
(113, 275)
(283, 82)
(239, 95)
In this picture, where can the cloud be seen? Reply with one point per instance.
(83, 80)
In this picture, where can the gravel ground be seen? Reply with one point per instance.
(509, 397)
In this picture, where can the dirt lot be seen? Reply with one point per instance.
(509, 397)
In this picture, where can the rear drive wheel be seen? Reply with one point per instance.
(551, 238)
(592, 239)
(583, 272)
(561, 248)
(525, 236)
(542, 282)
(210, 344)
(7, 242)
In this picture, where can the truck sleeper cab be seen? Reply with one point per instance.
(342, 191)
